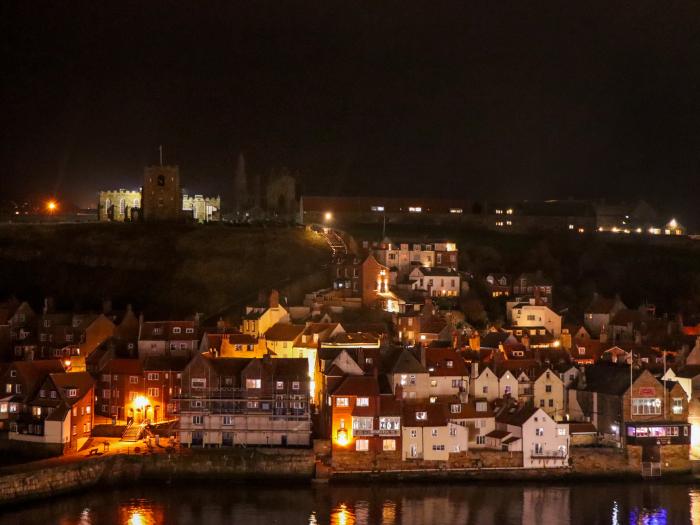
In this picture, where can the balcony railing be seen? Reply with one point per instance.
(548, 454)
(362, 432)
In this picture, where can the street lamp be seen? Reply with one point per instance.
(51, 206)
(328, 216)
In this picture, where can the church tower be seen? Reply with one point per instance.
(161, 195)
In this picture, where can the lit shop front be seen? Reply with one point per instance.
(658, 433)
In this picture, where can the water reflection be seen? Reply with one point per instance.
(141, 512)
(399, 504)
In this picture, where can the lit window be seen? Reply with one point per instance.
(421, 416)
(342, 402)
(362, 402)
(389, 445)
(362, 445)
(415, 209)
(456, 210)
(252, 383)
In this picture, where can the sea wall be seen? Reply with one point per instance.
(54, 477)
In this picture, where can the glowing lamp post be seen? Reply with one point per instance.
(341, 436)
(141, 403)
(51, 206)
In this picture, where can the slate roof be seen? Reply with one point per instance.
(364, 386)
(609, 378)
(437, 414)
(518, 417)
(401, 361)
(284, 332)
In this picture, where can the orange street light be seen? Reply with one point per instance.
(141, 402)
(51, 206)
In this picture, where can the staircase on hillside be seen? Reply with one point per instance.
(133, 432)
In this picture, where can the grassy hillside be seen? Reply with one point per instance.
(163, 269)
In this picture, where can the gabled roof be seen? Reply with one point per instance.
(64, 381)
(437, 271)
(284, 332)
(401, 361)
(166, 330)
(518, 416)
(437, 414)
(364, 386)
(437, 359)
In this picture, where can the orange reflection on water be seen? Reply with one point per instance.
(138, 512)
(342, 516)
(388, 513)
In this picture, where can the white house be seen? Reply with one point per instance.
(478, 416)
(543, 442)
(437, 281)
(531, 315)
(508, 385)
(428, 433)
(548, 392)
(483, 385)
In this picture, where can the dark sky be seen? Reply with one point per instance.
(489, 100)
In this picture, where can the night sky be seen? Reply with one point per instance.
(487, 100)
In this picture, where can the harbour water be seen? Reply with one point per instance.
(382, 504)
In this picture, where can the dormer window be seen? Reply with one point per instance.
(157, 331)
(189, 330)
(72, 392)
(13, 373)
(449, 363)
(421, 416)
(455, 408)
(177, 329)
(481, 406)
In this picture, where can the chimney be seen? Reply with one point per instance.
(398, 392)
(221, 325)
(475, 370)
(538, 299)
(274, 299)
(603, 337)
(423, 355)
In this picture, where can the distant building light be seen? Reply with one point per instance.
(415, 209)
(571, 226)
(581, 230)
(601, 229)
(673, 224)
(638, 230)
(509, 211)
(499, 212)
(456, 210)
(509, 223)
(328, 216)
(615, 229)
(377, 208)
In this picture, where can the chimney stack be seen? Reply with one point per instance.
(274, 299)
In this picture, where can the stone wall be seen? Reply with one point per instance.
(53, 477)
(347, 461)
